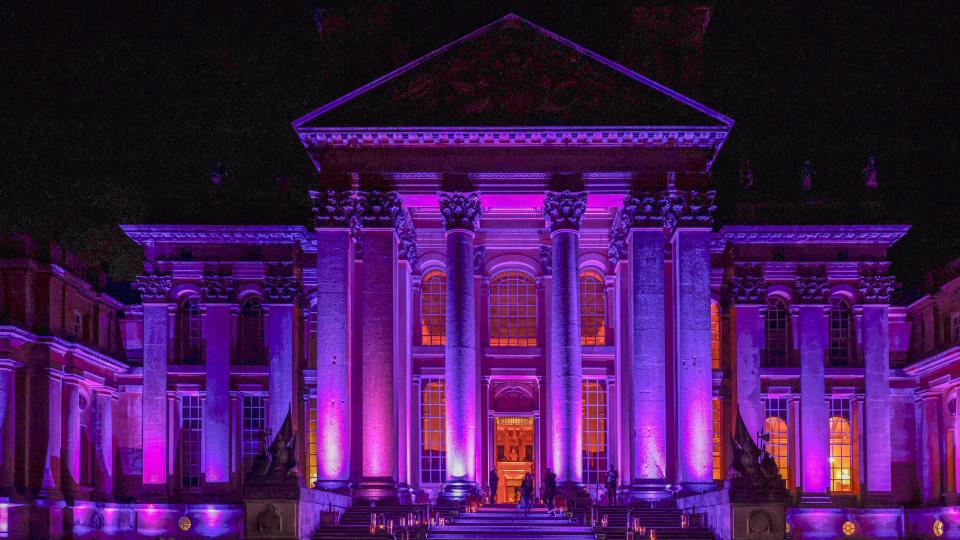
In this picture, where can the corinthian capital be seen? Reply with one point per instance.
(338, 208)
(564, 210)
(281, 289)
(671, 209)
(381, 208)
(217, 288)
(153, 288)
(460, 210)
(876, 288)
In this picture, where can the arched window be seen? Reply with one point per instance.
(513, 310)
(433, 308)
(188, 331)
(839, 333)
(593, 310)
(715, 335)
(775, 334)
(841, 446)
(250, 333)
(775, 426)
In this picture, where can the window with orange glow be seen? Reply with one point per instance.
(775, 426)
(433, 447)
(841, 446)
(594, 431)
(716, 423)
(715, 335)
(593, 311)
(513, 310)
(312, 473)
(433, 308)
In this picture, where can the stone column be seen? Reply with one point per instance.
(648, 362)
(814, 428)
(876, 359)
(956, 444)
(930, 488)
(103, 453)
(338, 215)
(281, 296)
(749, 293)
(70, 449)
(52, 481)
(461, 217)
(378, 284)
(691, 270)
(8, 408)
(563, 212)
(156, 333)
(217, 340)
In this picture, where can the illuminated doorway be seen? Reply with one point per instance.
(514, 442)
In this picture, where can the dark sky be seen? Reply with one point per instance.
(117, 112)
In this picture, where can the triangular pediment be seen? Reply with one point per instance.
(512, 73)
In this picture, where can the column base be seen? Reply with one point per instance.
(694, 488)
(647, 490)
(879, 499)
(455, 491)
(377, 489)
(336, 486)
(951, 499)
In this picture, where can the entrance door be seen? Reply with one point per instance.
(513, 453)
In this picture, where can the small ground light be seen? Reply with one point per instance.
(849, 528)
(938, 528)
(184, 523)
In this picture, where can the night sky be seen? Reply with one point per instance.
(118, 112)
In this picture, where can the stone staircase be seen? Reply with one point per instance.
(508, 523)
(667, 521)
(355, 523)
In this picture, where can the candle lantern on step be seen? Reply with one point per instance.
(373, 523)
(653, 534)
(684, 521)
(605, 520)
(390, 527)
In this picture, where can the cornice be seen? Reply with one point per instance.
(62, 346)
(934, 363)
(812, 234)
(534, 136)
(226, 234)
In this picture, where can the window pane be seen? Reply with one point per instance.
(433, 306)
(513, 311)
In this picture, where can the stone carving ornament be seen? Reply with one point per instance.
(671, 208)
(408, 237)
(153, 288)
(876, 289)
(748, 289)
(811, 289)
(479, 257)
(460, 210)
(270, 520)
(284, 289)
(217, 288)
(546, 260)
(564, 210)
(619, 231)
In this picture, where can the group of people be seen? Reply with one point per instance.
(549, 489)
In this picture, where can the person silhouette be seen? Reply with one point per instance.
(493, 479)
(549, 490)
(611, 480)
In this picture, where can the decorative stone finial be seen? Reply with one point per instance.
(153, 288)
(460, 210)
(281, 289)
(870, 174)
(806, 177)
(746, 174)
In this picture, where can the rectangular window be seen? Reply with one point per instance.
(312, 473)
(716, 423)
(715, 335)
(191, 435)
(252, 430)
(776, 428)
(841, 446)
(77, 325)
(955, 327)
(433, 447)
(595, 457)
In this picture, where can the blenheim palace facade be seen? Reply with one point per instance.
(513, 266)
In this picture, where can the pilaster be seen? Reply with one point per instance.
(930, 488)
(104, 398)
(8, 423)
(812, 323)
(215, 329)
(876, 360)
(563, 212)
(749, 295)
(461, 218)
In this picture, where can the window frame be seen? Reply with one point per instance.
(429, 288)
(530, 318)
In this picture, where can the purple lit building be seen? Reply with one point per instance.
(512, 265)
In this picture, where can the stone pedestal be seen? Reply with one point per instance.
(293, 515)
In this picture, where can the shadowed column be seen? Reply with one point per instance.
(691, 266)
(377, 300)
(105, 398)
(461, 216)
(814, 428)
(281, 295)
(156, 333)
(70, 449)
(563, 212)
(8, 402)
(337, 219)
(217, 336)
(876, 359)
(749, 294)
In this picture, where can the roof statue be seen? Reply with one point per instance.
(870, 174)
